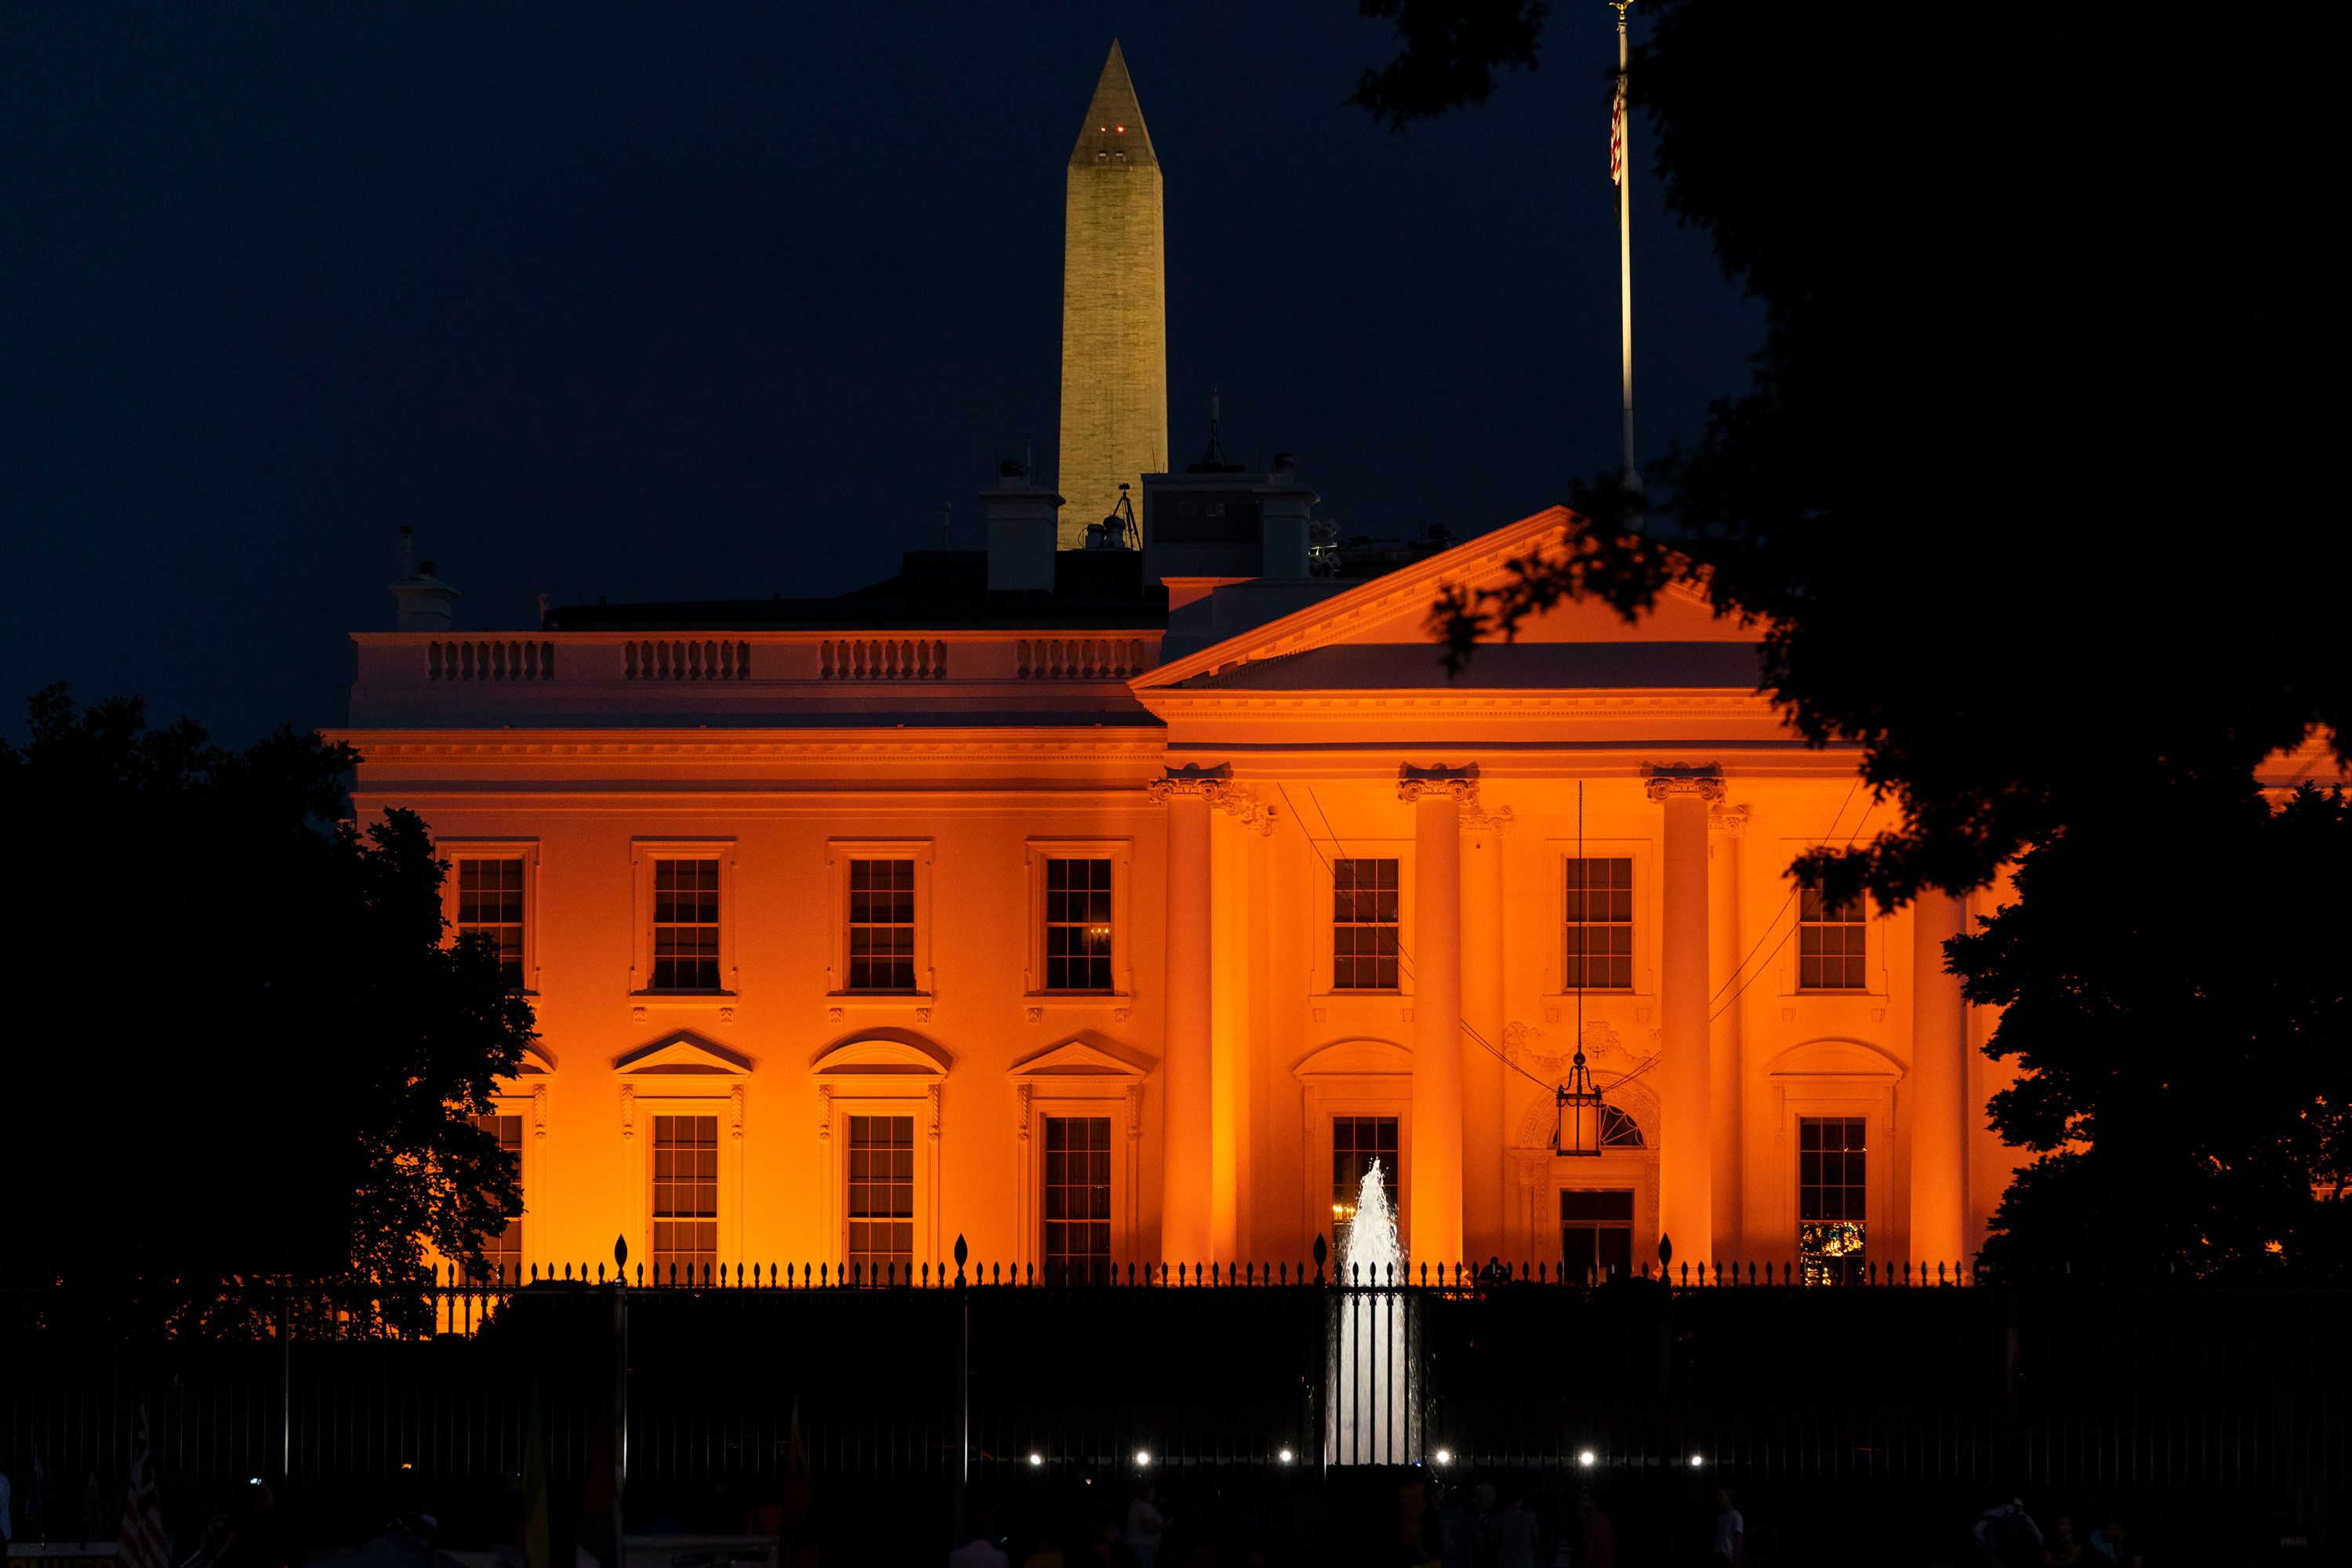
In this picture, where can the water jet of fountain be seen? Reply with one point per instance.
(1370, 1406)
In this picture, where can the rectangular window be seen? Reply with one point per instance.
(1077, 1200)
(1596, 1235)
(1078, 925)
(1831, 1190)
(881, 1197)
(1600, 905)
(686, 925)
(1356, 1143)
(502, 1252)
(1830, 943)
(686, 1197)
(489, 904)
(881, 925)
(1363, 925)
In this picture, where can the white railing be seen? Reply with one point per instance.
(883, 658)
(1081, 658)
(484, 658)
(676, 658)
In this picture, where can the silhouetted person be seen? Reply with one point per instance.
(1147, 1527)
(981, 1550)
(1455, 1531)
(1730, 1528)
(2062, 1550)
(2007, 1537)
(2112, 1544)
(1514, 1530)
(1598, 1535)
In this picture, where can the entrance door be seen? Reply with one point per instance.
(1596, 1233)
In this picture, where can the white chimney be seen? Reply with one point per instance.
(426, 604)
(1285, 506)
(1023, 530)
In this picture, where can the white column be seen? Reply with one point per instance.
(1685, 1134)
(1725, 1105)
(1939, 1076)
(1436, 794)
(1185, 1117)
(1487, 1174)
(1228, 1033)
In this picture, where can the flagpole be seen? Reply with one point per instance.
(1625, 173)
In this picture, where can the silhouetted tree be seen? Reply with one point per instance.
(2028, 497)
(2189, 1084)
(1449, 51)
(239, 1043)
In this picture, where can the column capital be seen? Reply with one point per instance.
(1705, 781)
(1475, 814)
(1725, 817)
(1213, 783)
(1416, 784)
(1192, 778)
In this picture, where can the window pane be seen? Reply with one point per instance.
(686, 925)
(1364, 945)
(684, 1196)
(1832, 1199)
(1596, 1233)
(1831, 944)
(881, 925)
(489, 905)
(1598, 941)
(1078, 934)
(1356, 1143)
(881, 1198)
(1077, 1200)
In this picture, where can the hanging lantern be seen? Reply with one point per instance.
(1581, 1111)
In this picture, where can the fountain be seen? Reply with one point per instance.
(1370, 1422)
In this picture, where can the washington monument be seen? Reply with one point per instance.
(1114, 310)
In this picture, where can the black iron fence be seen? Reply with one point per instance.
(922, 1380)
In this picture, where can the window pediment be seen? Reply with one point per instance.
(884, 1053)
(1851, 1059)
(682, 1053)
(1086, 1055)
(1356, 1058)
(535, 1062)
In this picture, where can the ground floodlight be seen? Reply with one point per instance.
(1143, 1457)
(1445, 1455)
(1286, 1455)
(1588, 1458)
(1697, 1461)
(1037, 1459)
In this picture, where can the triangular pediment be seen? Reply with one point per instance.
(1087, 1055)
(1378, 635)
(682, 1053)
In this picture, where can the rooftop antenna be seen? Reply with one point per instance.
(1216, 453)
(405, 531)
(947, 518)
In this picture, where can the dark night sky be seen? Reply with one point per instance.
(708, 301)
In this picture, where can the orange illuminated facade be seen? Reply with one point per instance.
(1121, 941)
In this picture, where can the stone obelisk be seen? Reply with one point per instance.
(1114, 310)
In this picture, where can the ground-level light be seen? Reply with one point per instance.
(1037, 1459)
(1286, 1455)
(1697, 1461)
(1588, 1458)
(1445, 1455)
(1143, 1457)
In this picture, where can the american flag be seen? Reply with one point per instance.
(1617, 134)
(143, 1542)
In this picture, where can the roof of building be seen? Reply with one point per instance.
(935, 590)
(1497, 667)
